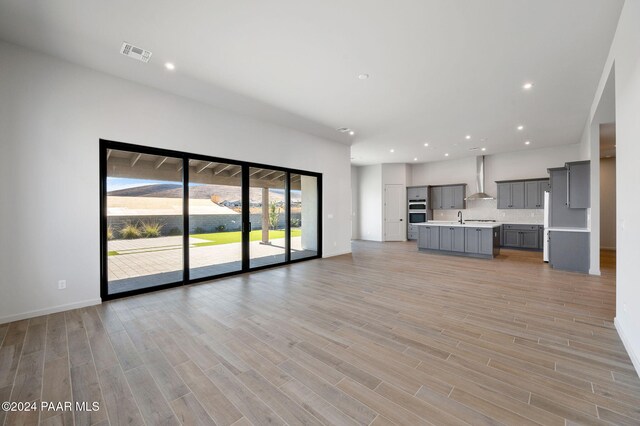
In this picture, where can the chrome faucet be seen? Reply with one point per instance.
(460, 216)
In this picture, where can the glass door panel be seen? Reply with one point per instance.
(144, 207)
(215, 218)
(304, 216)
(267, 204)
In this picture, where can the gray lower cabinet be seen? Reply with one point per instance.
(429, 237)
(412, 232)
(522, 236)
(569, 251)
(452, 238)
(480, 240)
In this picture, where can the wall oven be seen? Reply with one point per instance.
(415, 217)
(417, 210)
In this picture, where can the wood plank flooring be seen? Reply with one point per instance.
(384, 336)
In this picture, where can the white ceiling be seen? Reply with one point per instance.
(439, 69)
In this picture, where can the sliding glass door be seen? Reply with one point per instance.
(144, 220)
(171, 218)
(268, 242)
(215, 218)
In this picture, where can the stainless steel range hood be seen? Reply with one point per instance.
(480, 195)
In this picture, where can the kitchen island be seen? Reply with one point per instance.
(460, 239)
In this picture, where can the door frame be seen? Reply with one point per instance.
(105, 145)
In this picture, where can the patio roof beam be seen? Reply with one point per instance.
(160, 162)
(135, 159)
(278, 177)
(236, 173)
(221, 168)
(108, 153)
(201, 169)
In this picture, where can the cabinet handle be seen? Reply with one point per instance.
(568, 186)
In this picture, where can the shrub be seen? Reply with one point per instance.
(109, 232)
(174, 231)
(295, 223)
(151, 229)
(221, 228)
(274, 215)
(130, 231)
(200, 230)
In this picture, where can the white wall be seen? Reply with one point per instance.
(370, 202)
(355, 203)
(625, 53)
(608, 203)
(52, 114)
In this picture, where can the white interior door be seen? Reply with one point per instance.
(395, 205)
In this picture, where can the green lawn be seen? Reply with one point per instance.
(235, 237)
(216, 238)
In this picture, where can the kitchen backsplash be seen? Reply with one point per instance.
(488, 209)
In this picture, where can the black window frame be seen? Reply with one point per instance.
(106, 145)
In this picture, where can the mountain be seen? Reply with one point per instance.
(174, 190)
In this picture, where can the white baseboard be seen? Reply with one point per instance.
(324, 256)
(635, 358)
(51, 310)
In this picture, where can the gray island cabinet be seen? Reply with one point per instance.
(467, 239)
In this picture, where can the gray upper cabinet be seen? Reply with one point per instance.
(417, 193)
(458, 194)
(561, 215)
(578, 184)
(504, 195)
(436, 197)
(517, 195)
(534, 193)
(511, 195)
(531, 195)
(522, 194)
(448, 197)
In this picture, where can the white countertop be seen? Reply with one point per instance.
(488, 225)
(569, 229)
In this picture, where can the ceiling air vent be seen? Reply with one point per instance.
(134, 52)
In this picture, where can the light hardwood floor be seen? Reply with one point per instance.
(386, 336)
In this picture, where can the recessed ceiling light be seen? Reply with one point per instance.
(169, 66)
(527, 142)
(484, 149)
(520, 127)
(392, 150)
(351, 132)
(527, 86)
(426, 144)
(363, 76)
(415, 159)
(468, 137)
(446, 154)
